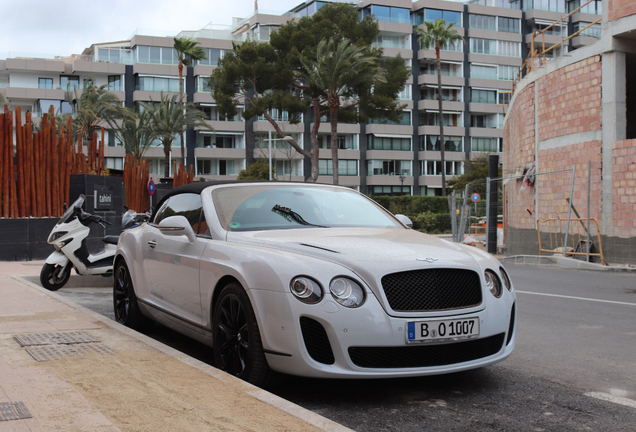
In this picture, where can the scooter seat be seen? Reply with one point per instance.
(111, 239)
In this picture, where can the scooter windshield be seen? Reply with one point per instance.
(79, 202)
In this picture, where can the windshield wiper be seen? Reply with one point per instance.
(291, 215)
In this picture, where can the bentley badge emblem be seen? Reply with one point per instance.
(427, 259)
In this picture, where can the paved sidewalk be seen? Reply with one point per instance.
(121, 381)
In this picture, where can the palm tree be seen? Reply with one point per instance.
(335, 71)
(168, 119)
(187, 51)
(438, 34)
(135, 133)
(93, 105)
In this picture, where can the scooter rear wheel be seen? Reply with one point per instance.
(53, 276)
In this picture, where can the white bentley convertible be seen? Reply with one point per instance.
(311, 280)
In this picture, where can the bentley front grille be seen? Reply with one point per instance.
(432, 290)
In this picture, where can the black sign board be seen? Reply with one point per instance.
(104, 199)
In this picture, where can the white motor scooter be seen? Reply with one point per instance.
(69, 239)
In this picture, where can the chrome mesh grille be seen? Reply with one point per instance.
(432, 289)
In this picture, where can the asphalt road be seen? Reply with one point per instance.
(573, 369)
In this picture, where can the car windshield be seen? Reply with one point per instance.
(266, 207)
(68, 213)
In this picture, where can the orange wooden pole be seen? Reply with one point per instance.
(30, 188)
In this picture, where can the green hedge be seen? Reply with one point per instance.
(428, 213)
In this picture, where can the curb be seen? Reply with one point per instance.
(264, 396)
(560, 261)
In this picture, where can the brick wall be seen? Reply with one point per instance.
(569, 102)
(570, 99)
(624, 179)
(518, 149)
(621, 8)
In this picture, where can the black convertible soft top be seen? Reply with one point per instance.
(197, 187)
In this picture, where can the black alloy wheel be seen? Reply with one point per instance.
(125, 303)
(238, 349)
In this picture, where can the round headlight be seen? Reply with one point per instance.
(506, 279)
(347, 292)
(493, 283)
(305, 289)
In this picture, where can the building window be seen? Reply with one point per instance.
(405, 120)
(457, 46)
(431, 15)
(388, 143)
(453, 94)
(509, 25)
(386, 41)
(431, 143)
(220, 141)
(506, 4)
(594, 8)
(594, 31)
(547, 5)
(434, 168)
(211, 113)
(431, 118)
(490, 121)
(156, 55)
(388, 14)
(483, 46)
(489, 145)
(114, 163)
(390, 190)
(504, 98)
(483, 96)
(149, 83)
(483, 71)
(484, 22)
(115, 55)
(345, 167)
(447, 69)
(45, 83)
(389, 167)
(69, 83)
(219, 166)
(495, 47)
(114, 82)
(345, 142)
(508, 73)
(212, 57)
(556, 30)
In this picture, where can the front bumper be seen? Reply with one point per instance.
(368, 343)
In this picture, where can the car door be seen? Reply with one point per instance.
(172, 262)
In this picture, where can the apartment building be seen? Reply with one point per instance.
(375, 158)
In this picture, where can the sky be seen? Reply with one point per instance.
(65, 27)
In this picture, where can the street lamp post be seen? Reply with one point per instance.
(402, 181)
(269, 148)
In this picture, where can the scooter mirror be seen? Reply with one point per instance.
(64, 208)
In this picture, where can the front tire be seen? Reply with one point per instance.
(238, 349)
(125, 303)
(54, 276)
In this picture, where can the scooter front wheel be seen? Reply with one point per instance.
(54, 276)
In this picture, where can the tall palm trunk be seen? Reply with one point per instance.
(166, 166)
(441, 116)
(181, 100)
(334, 102)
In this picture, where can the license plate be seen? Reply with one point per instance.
(441, 330)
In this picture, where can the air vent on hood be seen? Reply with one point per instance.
(318, 247)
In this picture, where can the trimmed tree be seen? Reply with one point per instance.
(93, 105)
(438, 35)
(268, 76)
(169, 119)
(187, 51)
(135, 133)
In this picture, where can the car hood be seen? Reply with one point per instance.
(371, 253)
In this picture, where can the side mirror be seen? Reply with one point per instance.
(404, 220)
(177, 226)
